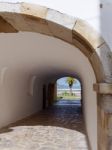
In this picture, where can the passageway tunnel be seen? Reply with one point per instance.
(34, 60)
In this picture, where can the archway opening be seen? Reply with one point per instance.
(64, 95)
(68, 91)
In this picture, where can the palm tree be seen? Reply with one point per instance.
(70, 81)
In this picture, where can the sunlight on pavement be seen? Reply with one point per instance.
(42, 138)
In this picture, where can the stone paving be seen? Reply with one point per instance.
(59, 127)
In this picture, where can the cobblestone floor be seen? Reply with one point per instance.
(60, 127)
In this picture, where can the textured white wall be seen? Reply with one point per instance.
(24, 55)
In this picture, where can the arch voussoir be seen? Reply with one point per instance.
(105, 56)
(88, 33)
(6, 27)
(26, 17)
(60, 25)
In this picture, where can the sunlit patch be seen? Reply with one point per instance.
(42, 138)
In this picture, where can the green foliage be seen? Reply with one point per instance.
(65, 93)
(70, 81)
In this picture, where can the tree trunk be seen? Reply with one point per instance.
(71, 91)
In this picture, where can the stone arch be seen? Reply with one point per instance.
(15, 17)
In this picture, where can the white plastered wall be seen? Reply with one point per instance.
(26, 55)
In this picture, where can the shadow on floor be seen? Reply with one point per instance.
(60, 127)
(66, 114)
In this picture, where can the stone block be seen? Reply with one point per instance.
(10, 7)
(103, 88)
(82, 45)
(60, 25)
(97, 66)
(5, 27)
(34, 10)
(88, 33)
(105, 56)
(106, 103)
(28, 18)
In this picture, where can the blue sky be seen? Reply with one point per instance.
(62, 81)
